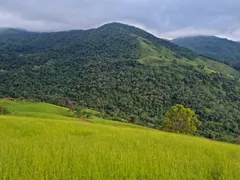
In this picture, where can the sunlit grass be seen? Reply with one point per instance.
(38, 110)
(37, 107)
(43, 148)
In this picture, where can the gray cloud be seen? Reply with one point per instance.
(164, 18)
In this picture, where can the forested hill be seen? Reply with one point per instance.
(110, 41)
(213, 47)
(123, 72)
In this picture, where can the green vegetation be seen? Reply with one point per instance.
(161, 56)
(124, 73)
(152, 55)
(181, 120)
(39, 110)
(218, 67)
(3, 110)
(42, 148)
(213, 47)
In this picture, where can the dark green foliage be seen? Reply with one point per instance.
(98, 69)
(213, 47)
(238, 140)
(236, 65)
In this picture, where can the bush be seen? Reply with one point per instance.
(3, 110)
(88, 116)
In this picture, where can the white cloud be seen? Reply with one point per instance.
(164, 18)
(189, 31)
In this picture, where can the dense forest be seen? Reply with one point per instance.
(220, 49)
(101, 69)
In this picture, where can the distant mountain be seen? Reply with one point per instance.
(213, 47)
(122, 71)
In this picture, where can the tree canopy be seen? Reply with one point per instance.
(181, 120)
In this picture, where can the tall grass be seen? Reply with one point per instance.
(32, 148)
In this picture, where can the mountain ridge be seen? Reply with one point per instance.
(114, 25)
(214, 47)
(79, 36)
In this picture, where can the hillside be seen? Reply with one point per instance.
(38, 110)
(122, 71)
(46, 148)
(213, 47)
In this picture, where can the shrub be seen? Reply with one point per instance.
(3, 110)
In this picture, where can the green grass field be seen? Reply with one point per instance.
(50, 148)
(151, 55)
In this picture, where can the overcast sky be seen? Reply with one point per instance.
(164, 18)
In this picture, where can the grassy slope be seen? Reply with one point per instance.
(39, 110)
(41, 148)
(152, 55)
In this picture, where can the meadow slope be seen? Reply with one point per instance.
(48, 148)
